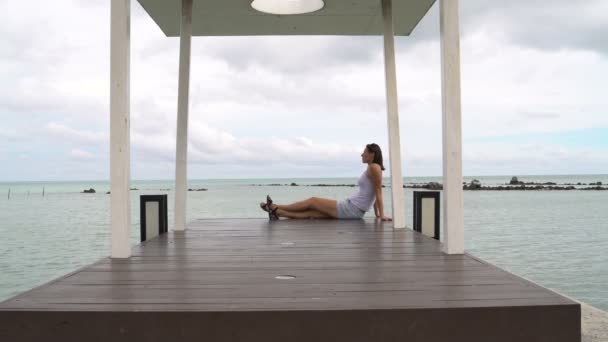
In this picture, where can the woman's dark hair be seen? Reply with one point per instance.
(375, 149)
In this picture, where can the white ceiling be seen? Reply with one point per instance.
(237, 18)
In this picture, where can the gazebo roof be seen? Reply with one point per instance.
(237, 18)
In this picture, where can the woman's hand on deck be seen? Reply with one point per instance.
(386, 218)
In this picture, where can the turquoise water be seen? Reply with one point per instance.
(556, 238)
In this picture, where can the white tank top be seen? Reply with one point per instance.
(365, 197)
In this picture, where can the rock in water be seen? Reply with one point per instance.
(434, 186)
(515, 181)
(475, 185)
(90, 191)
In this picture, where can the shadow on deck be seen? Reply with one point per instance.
(354, 281)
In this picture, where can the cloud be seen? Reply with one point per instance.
(288, 54)
(49, 66)
(532, 158)
(564, 25)
(209, 145)
(9, 135)
(78, 154)
(580, 25)
(302, 103)
(78, 136)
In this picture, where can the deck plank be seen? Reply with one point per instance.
(359, 269)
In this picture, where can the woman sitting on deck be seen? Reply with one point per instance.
(353, 207)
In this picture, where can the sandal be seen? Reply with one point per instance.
(272, 213)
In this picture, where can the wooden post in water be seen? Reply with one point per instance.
(9, 193)
(43, 191)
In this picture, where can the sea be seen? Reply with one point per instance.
(556, 238)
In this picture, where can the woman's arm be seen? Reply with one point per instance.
(376, 177)
(376, 211)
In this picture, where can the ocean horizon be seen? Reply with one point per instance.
(506, 177)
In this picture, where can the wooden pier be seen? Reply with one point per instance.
(356, 280)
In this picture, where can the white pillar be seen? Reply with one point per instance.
(393, 117)
(120, 203)
(181, 154)
(453, 217)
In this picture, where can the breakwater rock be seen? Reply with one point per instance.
(514, 185)
(295, 184)
(474, 185)
(428, 186)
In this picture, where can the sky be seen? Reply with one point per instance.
(534, 97)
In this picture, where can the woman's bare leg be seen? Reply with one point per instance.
(296, 206)
(324, 205)
(302, 214)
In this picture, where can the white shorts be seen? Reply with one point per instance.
(347, 210)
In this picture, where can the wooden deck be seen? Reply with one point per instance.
(354, 281)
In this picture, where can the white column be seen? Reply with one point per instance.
(120, 203)
(453, 220)
(181, 154)
(393, 117)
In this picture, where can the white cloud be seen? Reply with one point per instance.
(74, 135)
(78, 154)
(304, 102)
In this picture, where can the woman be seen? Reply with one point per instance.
(353, 207)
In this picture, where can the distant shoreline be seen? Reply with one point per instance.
(475, 185)
(491, 183)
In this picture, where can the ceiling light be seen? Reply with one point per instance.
(286, 7)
